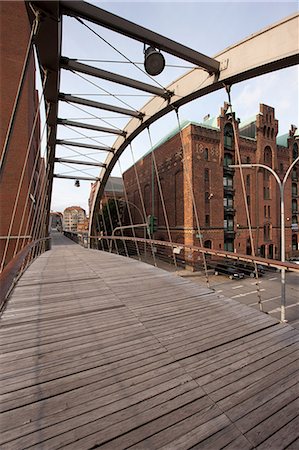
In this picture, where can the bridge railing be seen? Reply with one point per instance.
(190, 256)
(17, 266)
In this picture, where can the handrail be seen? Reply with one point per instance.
(221, 253)
(13, 271)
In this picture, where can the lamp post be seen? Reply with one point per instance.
(281, 185)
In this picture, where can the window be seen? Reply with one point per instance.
(294, 219)
(229, 245)
(268, 156)
(207, 197)
(207, 220)
(228, 202)
(228, 159)
(294, 206)
(294, 175)
(266, 231)
(294, 242)
(266, 193)
(248, 181)
(206, 154)
(207, 244)
(227, 181)
(248, 200)
(228, 135)
(294, 190)
(265, 211)
(207, 176)
(269, 212)
(228, 224)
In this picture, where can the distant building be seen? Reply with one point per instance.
(73, 217)
(56, 219)
(201, 162)
(83, 226)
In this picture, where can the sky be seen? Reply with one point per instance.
(207, 27)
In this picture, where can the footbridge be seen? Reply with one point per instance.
(105, 344)
(102, 351)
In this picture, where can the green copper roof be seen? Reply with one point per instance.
(247, 121)
(282, 140)
(210, 123)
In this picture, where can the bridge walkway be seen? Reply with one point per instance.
(102, 351)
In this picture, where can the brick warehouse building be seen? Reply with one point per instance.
(209, 148)
(15, 31)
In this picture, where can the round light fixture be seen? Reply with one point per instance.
(154, 61)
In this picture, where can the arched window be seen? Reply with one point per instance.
(294, 206)
(268, 132)
(294, 190)
(264, 130)
(206, 154)
(268, 156)
(295, 151)
(207, 243)
(272, 133)
(294, 175)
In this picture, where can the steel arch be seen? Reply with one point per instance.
(273, 48)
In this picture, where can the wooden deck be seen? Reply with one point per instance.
(100, 351)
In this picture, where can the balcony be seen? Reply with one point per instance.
(229, 209)
(228, 170)
(229, 233)
(227, 188)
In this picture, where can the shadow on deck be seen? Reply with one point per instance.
(103, 351)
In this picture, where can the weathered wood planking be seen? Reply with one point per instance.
(101, 351)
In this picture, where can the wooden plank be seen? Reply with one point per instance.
(112, 355)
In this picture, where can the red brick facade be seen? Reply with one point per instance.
(200, 162)
(15, 31)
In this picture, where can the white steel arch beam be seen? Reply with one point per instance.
(273, 48)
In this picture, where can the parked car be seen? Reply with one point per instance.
(294, 260)
(231, 270)
(249, 269)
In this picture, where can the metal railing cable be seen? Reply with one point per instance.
(119, 216)
(37, 160)
(106, 92)
(84, 135)
(236, 139)
(189, 182)
(120, 53)
(161, 195)
(23, 172)
(93, 116)
(142, 204)
(28, 55)
(129, 209)
(110, 221)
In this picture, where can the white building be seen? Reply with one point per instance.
(72, 217)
